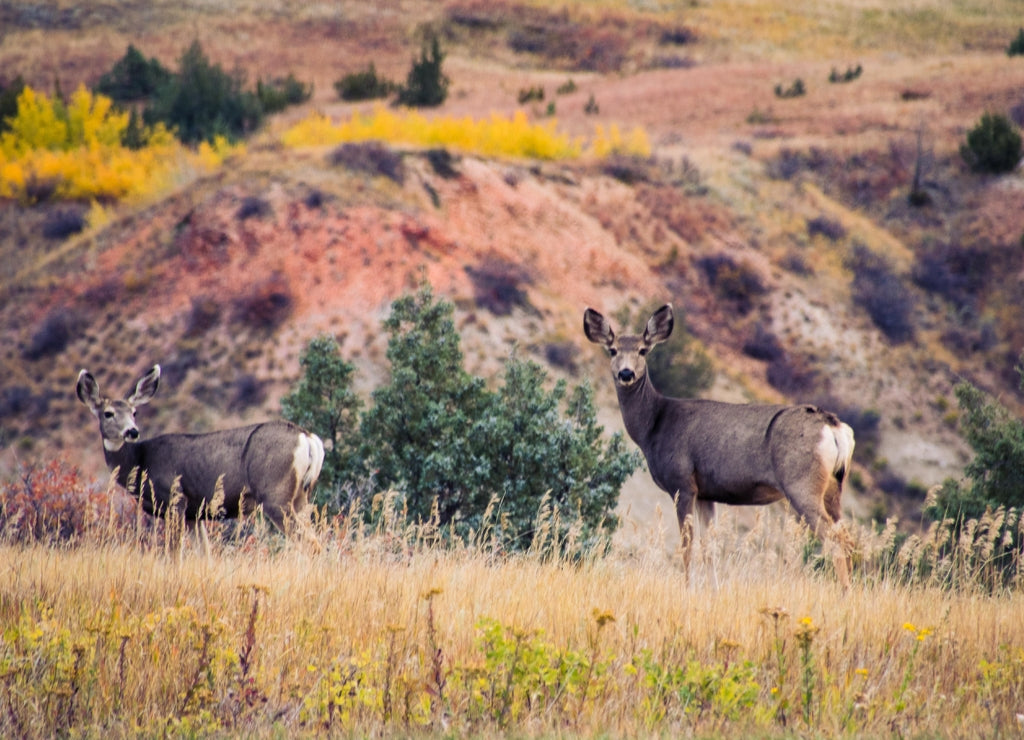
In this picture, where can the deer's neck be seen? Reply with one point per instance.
(127, 460)
(641, 406)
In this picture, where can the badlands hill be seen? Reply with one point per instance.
(779, 227)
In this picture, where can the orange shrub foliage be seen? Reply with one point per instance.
(50, 503)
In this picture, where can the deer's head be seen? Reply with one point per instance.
(117, 417)
(629, 353)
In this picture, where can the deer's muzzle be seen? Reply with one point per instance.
(626, 376)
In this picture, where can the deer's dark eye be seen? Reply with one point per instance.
(643, 352)
(108, 414)
(612, 351)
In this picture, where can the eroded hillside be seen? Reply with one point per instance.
(763, 220)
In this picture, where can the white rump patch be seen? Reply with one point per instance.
(835, 448)
(308, 459)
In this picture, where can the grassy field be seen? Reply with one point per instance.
(114, 632)
(385, 633)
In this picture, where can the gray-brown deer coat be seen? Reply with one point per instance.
(273, 465)
(705, 452)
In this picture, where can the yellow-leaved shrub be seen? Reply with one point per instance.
(74, 152)
(494, 136)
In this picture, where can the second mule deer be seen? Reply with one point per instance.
(706, 452)
(273, 465)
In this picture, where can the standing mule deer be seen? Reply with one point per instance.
(705, 452)
(274, 464)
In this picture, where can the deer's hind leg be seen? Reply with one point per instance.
(812, 503)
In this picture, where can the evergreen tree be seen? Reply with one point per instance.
(133, 78)
(449, 446)
(416, 435)
(993, 145)
(324, 403)
(202, 101)
(995, 477)
(426, 84)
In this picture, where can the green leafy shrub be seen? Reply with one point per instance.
(851, 73)
(426, 85)
(9, 101)
(364, 85)
(1016, 47)
(133, 78)
(416, 433)
(995, 477)
(530, 94)
(456, 452)
(324, 403)
(993, 145)
(795, 90)
(277, 94)
(202, 101)
(982, 513)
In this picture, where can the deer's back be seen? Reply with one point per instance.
(256, 459)
(729, 451)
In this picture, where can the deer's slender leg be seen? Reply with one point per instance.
(811, 508)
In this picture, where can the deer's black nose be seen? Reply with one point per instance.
(131, 434)
(627, 376)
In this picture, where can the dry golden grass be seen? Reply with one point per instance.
(386, 634)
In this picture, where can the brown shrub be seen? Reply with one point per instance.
(266, 306)
(497, 286)
(51, 503)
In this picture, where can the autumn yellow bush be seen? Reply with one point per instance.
(494, 136)
(75, 152)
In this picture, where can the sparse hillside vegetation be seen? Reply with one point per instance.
(365, 85)
(993, 145)
(854, 246)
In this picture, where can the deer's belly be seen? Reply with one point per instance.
(757, 496)
(737, 493)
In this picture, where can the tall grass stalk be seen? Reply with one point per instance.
(387, 631)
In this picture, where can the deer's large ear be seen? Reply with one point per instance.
(659, 326)
(88, 390)
(597, 328)
(145, 389)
